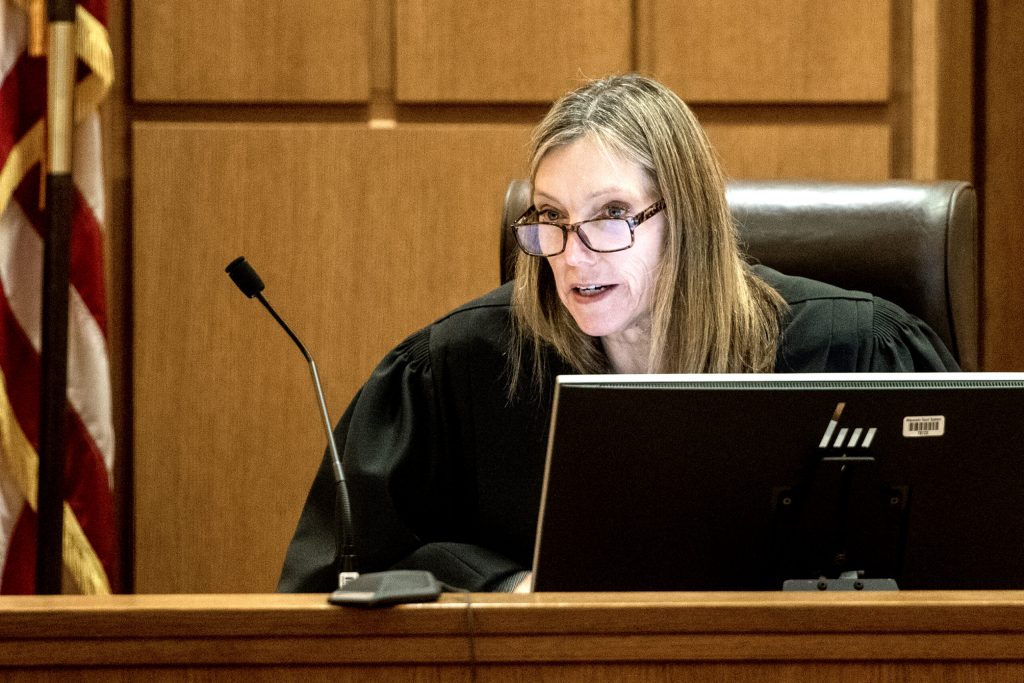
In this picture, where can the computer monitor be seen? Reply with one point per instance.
(744, 482)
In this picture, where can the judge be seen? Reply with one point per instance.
(628, 263)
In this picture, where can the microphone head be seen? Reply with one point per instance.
(243, 275)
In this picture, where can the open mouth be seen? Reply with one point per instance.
(591, 290)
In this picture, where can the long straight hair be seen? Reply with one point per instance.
(709, 312)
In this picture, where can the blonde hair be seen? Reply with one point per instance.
(709, 313)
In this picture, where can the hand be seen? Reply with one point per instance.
(526, 585)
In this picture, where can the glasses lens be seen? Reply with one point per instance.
(606, 235)
(540, 239)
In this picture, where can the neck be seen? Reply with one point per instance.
(628, 353)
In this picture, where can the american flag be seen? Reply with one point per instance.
(89, 545)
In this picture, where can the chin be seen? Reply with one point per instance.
(596, 328)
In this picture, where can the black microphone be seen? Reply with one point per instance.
(245, 276)
(368, 590)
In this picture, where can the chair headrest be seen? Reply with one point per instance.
(913, 243)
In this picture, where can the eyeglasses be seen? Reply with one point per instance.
(602, 235)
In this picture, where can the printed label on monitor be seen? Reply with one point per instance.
(924, 425)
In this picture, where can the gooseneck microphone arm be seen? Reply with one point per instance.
(243, 275)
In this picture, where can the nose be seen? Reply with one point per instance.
(576, 253)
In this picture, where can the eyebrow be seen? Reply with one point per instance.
(593, 195)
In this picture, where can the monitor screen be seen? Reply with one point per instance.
(744, 482)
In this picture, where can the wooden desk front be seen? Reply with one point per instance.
(922, 636)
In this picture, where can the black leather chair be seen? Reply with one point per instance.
(913, 243)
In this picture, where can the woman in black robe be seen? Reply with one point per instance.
(629, 263)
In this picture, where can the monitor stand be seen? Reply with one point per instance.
(847, 581)
(846, 517)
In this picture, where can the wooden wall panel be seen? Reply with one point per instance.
(1003, 197)
(497, 51)
(848, 151)
(251, 50)
(772, 50)
(220, 409)
(940, 90)
(361, 235)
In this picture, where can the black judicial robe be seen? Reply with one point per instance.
(445, 473)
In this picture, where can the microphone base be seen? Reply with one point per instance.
(380, 589)
(345, 578)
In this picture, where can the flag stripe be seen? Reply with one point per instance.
(20, 566)
(89, 530)
(14, 27)
(11, 502)
(20, 365)
(22, 100)
(86, 244)
(88, 153)
(21, 251)
(85, 471)
(81, 562)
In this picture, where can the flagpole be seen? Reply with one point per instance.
(60, 84)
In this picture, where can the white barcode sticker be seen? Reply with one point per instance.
(924, 425)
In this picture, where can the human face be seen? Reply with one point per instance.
(607, 294)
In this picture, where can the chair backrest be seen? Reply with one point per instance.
(913, 243)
